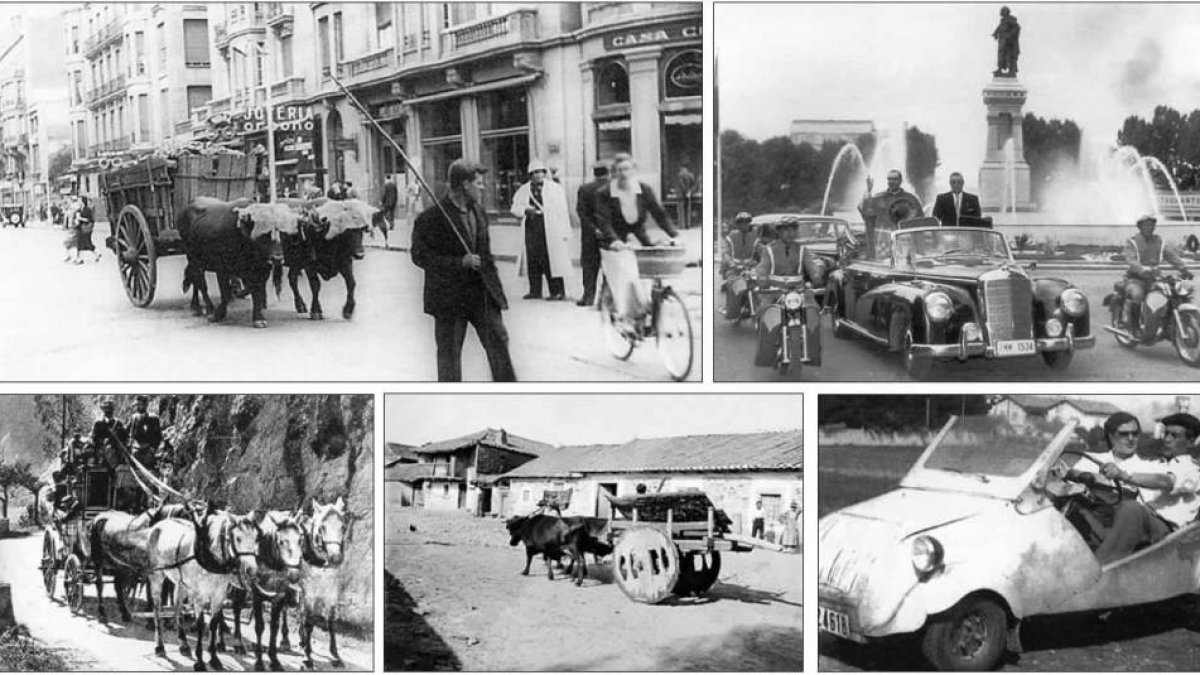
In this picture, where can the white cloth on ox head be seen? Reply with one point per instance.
(269, 219)
(347, 214)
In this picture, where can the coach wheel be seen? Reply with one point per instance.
(646, 565)
(49, 564)
(137, 259)
(73, 582)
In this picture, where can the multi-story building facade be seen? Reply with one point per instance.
(501, 83)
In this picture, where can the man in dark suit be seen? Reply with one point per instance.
(387, 208)
(955, 208)
(589, 246)
(462, 285)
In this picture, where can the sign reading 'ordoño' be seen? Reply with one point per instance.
(671, 32)
(287, 118)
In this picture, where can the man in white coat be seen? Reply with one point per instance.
(542, 207)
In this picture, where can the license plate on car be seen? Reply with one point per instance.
(1015, 348)
(832, 621)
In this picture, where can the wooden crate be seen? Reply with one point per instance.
(224, 176)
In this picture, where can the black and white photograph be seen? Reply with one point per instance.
(593, 532)
(956, 192)
(187, 532)
(389, 191)
(1015, 532)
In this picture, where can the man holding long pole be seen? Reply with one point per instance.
(462, 288)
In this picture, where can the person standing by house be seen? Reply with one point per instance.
(462, 284)
(86, 225)
(589, 244)
(542, 207)
(758, 524)
(685, 181)
(790, 520)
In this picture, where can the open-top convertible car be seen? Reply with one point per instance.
(938, 293)
(982, 533)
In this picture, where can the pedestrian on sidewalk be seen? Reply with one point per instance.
(387, 208)
(462, 284)
(542, 207)
(589, 244)
(86, 225)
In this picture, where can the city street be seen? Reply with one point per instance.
(858, 360)
(74, 322)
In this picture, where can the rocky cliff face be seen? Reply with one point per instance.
(279, 452)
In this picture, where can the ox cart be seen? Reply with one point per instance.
(669, 544)
(144, 199)
(64, 548)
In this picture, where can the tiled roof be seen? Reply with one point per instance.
(399, 452)
(408, 473)
(1042, 404)
(770, 451)
(497, 438)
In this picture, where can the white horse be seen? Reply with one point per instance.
(280, 549)
(324, 550)
(202, 556)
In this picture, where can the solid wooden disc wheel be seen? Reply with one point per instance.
(646, 565)
(698, 572)
(73, 582)
(49, 564)
(137, 259)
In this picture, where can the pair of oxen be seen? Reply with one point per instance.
(285, 558)
(555, 537)
(250, 243)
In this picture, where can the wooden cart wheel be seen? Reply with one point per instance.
(137, 259)
(49, 563)
(73, 582)
(646, 565)
(698, 572)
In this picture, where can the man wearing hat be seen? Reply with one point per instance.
(462, 286)
(105, 431)
(1144, 254)
(145, 434)
(542, 207)
(589, 244)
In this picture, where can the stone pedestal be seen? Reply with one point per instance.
(1004, 97)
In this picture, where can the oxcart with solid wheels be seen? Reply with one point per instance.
(669, 544)
(144, 199)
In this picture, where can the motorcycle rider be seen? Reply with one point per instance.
(1144, 254)
(739, 252)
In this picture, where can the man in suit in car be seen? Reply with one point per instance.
(957, 208)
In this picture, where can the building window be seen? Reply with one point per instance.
(323, 44)
(339, 43)
(143, 112)
(612, 84)
(164, 101)
(504, 132)
(383, 25)
(771, 506)
(197, 97)
(683, 74)
(458, 13)
(413, 25)
(613, 136)
(139, 52)
(441, 139)
(285, 57)
(195, 43)
(525, 496)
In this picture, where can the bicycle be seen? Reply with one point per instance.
(667, 321)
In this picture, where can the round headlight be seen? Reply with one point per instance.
(938, 306)
(1054, 327)
(927, 554)
(972, 332)
(793, 301)
(1074, 303)
(1184, 288)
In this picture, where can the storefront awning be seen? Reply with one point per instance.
(476, 89)
(684, 120)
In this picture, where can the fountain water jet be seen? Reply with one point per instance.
(848, 149)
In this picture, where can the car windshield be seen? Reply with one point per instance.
(806, 230)
(988, 446)
(950, 242)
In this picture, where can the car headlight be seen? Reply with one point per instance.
(927, 554)
(1074, 303)
(792, 301)
(938, 306)
(1184, 288)
(972, 332)
(1054, 327)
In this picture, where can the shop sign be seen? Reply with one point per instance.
(674, 32)
(288, 117)
(684, 74)
(299, 142)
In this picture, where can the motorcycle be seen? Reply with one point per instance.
(1167, 313)
(789, 326)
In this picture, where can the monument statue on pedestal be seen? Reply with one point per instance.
(1008, 44)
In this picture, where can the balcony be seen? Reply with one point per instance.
(115, 145)
(492, 33)
(414, 43)
(379, 60)
(112, 32)
(280, 14)
(242, 19)
(15, 105)
(292, 87)
(107, 90)
(219, 105)
(14, 142)
(603, 12)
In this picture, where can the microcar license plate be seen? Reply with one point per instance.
(1015, 348)
(834, 622)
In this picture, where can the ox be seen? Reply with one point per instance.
(585, 535)
(236, 240)
(329, 239)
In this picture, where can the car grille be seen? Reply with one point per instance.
(1008, 306)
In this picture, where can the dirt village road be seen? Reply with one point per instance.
(86, 643)
(456, 600)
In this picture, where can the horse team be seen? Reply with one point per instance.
(210, 555)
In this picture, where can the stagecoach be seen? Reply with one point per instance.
(669, 544)
(63, 545)
(145, 197)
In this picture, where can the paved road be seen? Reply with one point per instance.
(73, 322)
(857, 360)
(92, 645)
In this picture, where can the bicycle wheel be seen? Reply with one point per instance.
(673, 333)
(618, 340)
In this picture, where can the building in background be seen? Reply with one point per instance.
(819, 132)
(1018, 410)
(459, 473)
